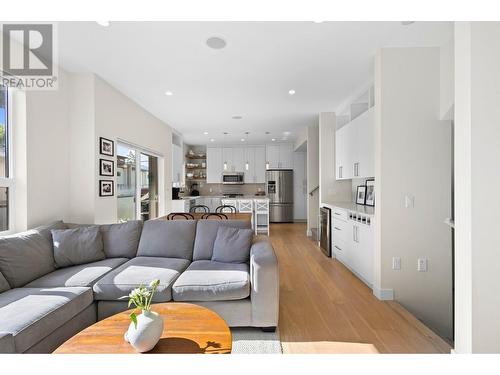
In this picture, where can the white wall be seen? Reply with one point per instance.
(118, 117)
(477, 176)
(47, 150)
(413, 158)
(447, 80)
(312, 177)
(330, 190)
(299, 186)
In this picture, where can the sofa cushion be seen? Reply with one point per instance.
(140, 271)
(81, 275)
(25, 257)
(4, 285)
(121, 240)
(46, 230)
(31, 314)
(77, 246)
(206, 232)
(232, 245)
(7, 345)
(205, 280)
(167, 238)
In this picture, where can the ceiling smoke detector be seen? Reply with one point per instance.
(407, 23)
(215, 42)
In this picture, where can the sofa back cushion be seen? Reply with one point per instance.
(232, 245)
(4, 285)
(77, 246)
(206, 232)
(45, 230)
(167, 238)
(25, 257)
(121, 240)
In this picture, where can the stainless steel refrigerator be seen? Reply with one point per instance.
(279, 188)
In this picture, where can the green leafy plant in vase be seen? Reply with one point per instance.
(145, 329)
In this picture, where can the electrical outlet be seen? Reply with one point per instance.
(422, 265)
(210, 189)
(396, 263)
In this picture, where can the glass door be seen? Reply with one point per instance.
(137, 184)
(126, 182)
(149, 187)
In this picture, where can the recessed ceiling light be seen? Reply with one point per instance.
(169, 93)
(242, 139)
(103, 23)
(273, 139)
(291, 92)
(215, 42)
(212, 140)
(237, 117)
(407, 23)
(206, 133)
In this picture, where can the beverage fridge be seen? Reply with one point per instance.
(279, 188)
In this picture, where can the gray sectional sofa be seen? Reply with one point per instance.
(42, 305)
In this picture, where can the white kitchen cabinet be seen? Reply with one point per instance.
(227, 159)
(255, 159)
(214, 165)
(355, 148)
(260, 164)
(353, 244)
(280, 156)
(273, 156)
(237, 161)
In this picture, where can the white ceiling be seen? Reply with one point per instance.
(324, 63)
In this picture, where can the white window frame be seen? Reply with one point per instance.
(9, 182)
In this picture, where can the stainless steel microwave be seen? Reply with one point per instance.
(233, 178)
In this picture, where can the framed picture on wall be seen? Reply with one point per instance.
(106, 188)
(360, 194)
(106, 167)
(106, 146)
(370, 193)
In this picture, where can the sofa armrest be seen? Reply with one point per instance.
(264, 279)
(7, 343)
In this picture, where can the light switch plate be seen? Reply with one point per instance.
(409, 201)
(422, 265)
(396, 263)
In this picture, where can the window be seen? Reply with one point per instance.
(5, 181)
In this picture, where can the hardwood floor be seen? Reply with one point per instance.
(324, 308)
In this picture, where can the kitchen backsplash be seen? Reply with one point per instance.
(219, 189)
(355, 183)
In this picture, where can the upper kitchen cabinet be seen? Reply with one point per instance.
(233, 159)
(354, 142)
(177, 164)
(255, 165)
(214, 165)
(280, 156)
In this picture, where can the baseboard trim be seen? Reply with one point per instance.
(384, 294)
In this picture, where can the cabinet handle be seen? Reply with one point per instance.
(337, 228)
(336, 213)
(337, 247)
(354, 233)
(340, 172)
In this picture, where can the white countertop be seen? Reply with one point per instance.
(367, 210)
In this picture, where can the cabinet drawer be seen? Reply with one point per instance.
(339, 213)
(340, 229)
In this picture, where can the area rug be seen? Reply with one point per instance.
(254, 341)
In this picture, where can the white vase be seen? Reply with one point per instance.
(148, 331)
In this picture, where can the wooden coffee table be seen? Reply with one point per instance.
(188, 329)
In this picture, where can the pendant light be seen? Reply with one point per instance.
(225, 161)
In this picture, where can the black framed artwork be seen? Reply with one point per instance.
(360, 194)
(106, 167)
(106, 146)
(106, 188)
(370, 193)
